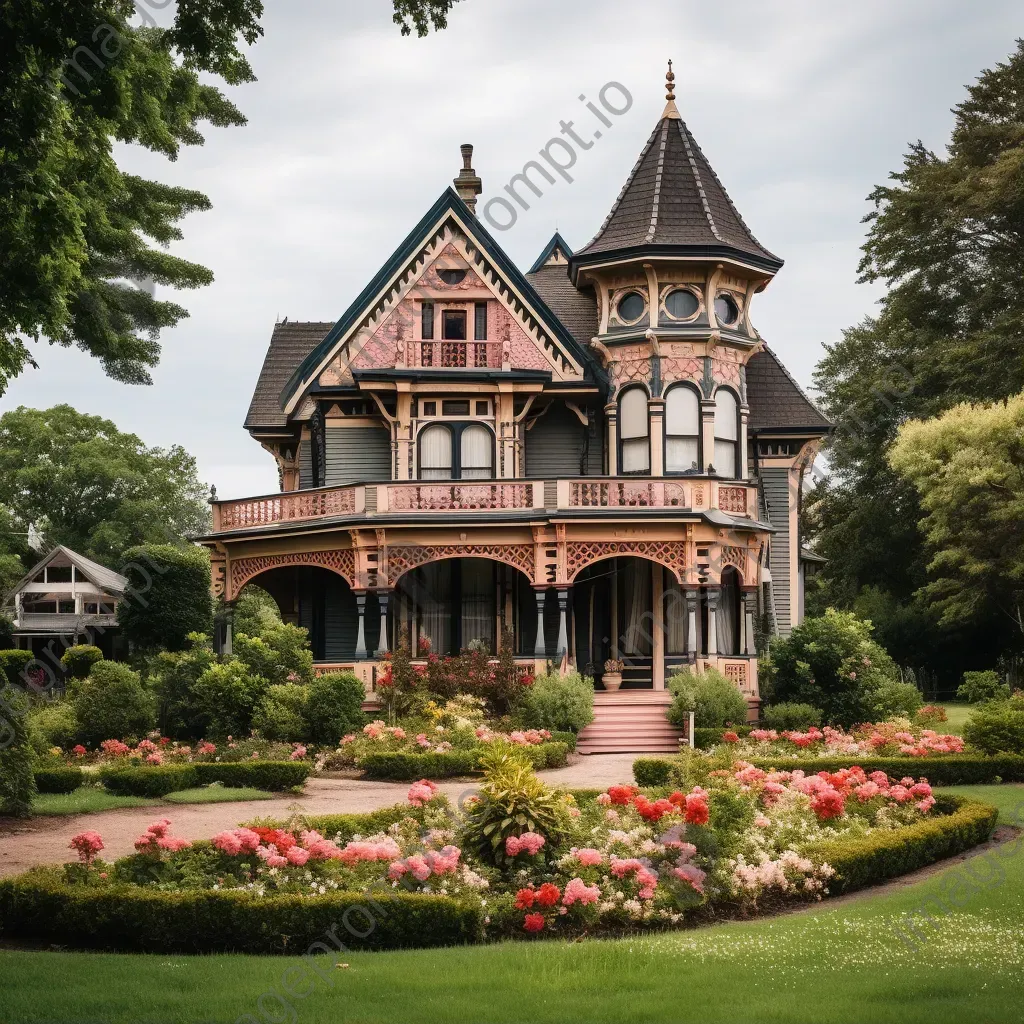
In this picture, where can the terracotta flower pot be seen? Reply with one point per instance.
(611, 680)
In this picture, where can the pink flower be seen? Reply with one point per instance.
(900, 794)
(154, 759)
(206, 747)
(236, 841)
(421, 792)
(587, 856)
(298, 753)
(604, 799)
(114, 748)
(828, 803)
(173, 844)
(88, 844)
(528, 842)
(297, 855)
(691, 875)
(78, 750)
(577, 891)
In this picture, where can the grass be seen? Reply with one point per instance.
(218, 795)
(89, 799)
(957, 715)
(849, 963)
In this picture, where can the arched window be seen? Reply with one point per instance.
(436, 453)
(682, 430)
(634, 432)
(476, 453)
(727, 434)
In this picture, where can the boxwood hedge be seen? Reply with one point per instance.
(401, 767)
(159, 780)
(58, 780)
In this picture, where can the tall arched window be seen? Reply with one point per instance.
(634, 432)
(477, 453)
(682, 430)
(436, 453)
(727, 434)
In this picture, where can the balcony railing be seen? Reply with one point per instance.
(455, 354)
(578, 496)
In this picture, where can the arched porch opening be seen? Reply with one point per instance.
(728, 615)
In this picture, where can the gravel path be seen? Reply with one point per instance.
(44, 840)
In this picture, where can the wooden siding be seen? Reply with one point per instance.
(555, 445)
(306, 465)
(356, 454)
(776, 491)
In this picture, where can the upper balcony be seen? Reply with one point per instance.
(575, 497)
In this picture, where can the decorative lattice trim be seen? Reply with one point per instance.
(342, 561)
(670, 553)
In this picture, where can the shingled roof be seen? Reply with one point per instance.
(289, 345)
(776, 401)
(674, 201)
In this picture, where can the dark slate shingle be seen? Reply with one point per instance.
(776, 400)
(289, 345)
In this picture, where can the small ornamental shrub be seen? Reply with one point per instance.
(147, 780)
(281, 653)
(78, 660)
(174, 675)
(13, 665)
(714, 700)
(227, 697)
(113, 704)
(167, 598)
(282, 715)
(58, 780)
(55, 724)
(334, 706)
(790, 716)
(557, 702)
(277, 776)
(997, 727)
(895, 700)
(17, 759)
(931, 714)
(979, 687)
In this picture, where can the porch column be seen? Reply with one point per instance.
(225, 645)
(658, 639)
(692, 598)
(360, 654)
(563, 632)
(714, 595)
(382, 643)
(749, 601)
(540, 647)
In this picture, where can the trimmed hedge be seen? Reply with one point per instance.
(402, 767)
(948, 770)
(568, 738)
(58, 780)
(40, 908)
(867, 860)
(159, 780)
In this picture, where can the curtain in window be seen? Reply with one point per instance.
(432, 593)
(728, 616)
(674, 615)
(682, 429)
(478, 595)
(436, 453)
(636, 603)
(633, 430)
(476, 453)
(726, 434)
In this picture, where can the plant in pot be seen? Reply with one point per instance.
(612, 678)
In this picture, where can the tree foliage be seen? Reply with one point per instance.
(88, 485)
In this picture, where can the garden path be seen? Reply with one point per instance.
(44, 840)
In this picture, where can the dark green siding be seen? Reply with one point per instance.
(357, 454)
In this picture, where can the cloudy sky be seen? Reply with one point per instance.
(801, 107)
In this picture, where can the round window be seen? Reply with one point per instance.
(681, 304)
(726, 311)
(451, 276)
(631, 307)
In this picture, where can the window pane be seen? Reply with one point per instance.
(682, 412)
(453, 324)
(480, 321)
(681, 454)
(436, 453)
(636, 456)
(478, 599)
(681, 304)
(476, 453)
(633, 414)
(725, 458)
(726, 418)
(428, 320)
(455, 407)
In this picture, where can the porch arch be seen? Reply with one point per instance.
(669, 553)
(243, 570)
(402, 558)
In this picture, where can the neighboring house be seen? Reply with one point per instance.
(601, 453)
(66, 599)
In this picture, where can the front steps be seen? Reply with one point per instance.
(630, 721)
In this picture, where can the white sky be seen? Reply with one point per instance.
(801, 107)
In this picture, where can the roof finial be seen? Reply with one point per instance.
(670, 95)
(467, 184)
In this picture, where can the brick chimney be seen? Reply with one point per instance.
(467, 184)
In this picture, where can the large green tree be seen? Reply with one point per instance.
(86, 484)
(76, 77)
(947, 237)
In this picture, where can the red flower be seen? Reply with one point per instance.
(730, 737)
(622, 795)
(534, 922)
(525, 898)
(677, 799)
(828, 803)
(548, 895)
(697, 810)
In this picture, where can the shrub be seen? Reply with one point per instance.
(830, 662)
(13, 664)
(281, 716)
(255, 611)
(334, 706)
(78, 660)
(653, 772)
(113, 704)
(979, 687)
(55, 723)
(276, 776)
(790, 716)
(59, 780)
(227, 697)
(997, 727)
(714, 700)
(895, 700)
(148, 780)
(931, 714)
(17, 760)
(6, 631)
(280, 653)
(705, 739)
(167, 598)
(555, 702)
(407, 766)
(174, 676)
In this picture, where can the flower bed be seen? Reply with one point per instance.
(160, 750)
(519, 860)
(886, 739)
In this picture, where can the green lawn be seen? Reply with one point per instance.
(87, 799)
(218, 795)
(957, 716)
(853, 962)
